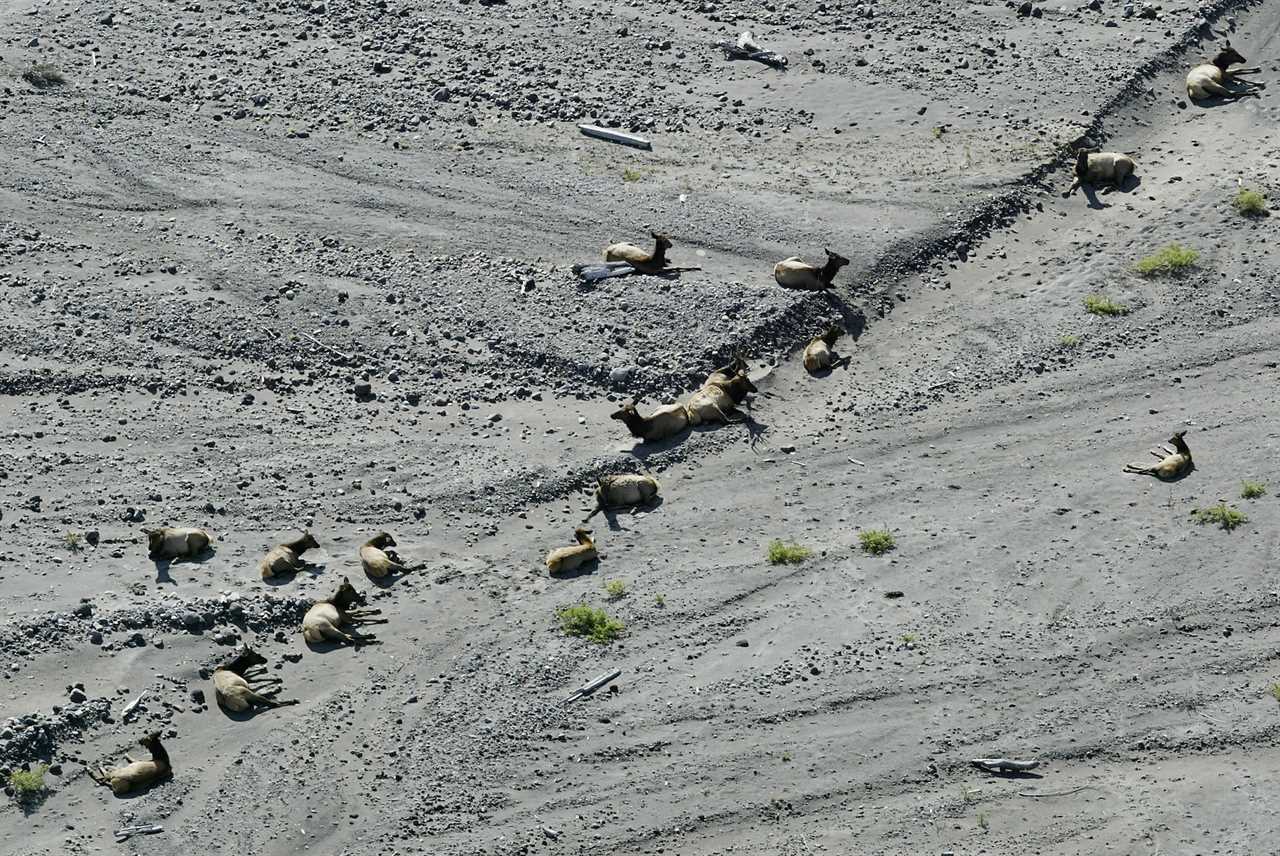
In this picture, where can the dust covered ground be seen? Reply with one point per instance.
(231, 218)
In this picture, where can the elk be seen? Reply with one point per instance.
(1175, 460)
(1207, 79)
(796, 273)
(1095, 168)
(286, 558)
(324, 619)
(666, 421)
(174, 543)
(232, 688)
(136, 774)
(378, 561)
(636, 257)
(818, 355)
(564, 559)
(623, 491)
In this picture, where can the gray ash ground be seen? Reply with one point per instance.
(308, 265)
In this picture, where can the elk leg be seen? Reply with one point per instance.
(254, 698)
(362, 620)
(333, 634)
(1236, 71)
(360, 612)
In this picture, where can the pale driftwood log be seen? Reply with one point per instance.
(1003, 765)
(1056, 793)
(593, 685)
(616, 136)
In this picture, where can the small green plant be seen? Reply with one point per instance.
(1252, 490)
(786, 757)
(877, 542)
(660, 600)
(908, 638)
(28, 783)
(938, 131)
(72, 541)
(589, 623)
(630, 175)
(44, 76)
(787, 554)
(1275, 691)
(1251, 203)
(1222, 514)
(1068, 340)
(1096, 304)
(615, 589)
(1171, 259)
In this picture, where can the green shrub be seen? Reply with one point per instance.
(1222, 514)
(589, 623)
(1250, 202)
(1096, 304)
(72, 541)
(1252, 490)
(877, 541)
(630, 174)
(28, 783)
(1275, 691)
(1068, 340)
(1171, 259)
(787, 554)
(615, 589)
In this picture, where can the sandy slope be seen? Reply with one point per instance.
(1052, 606)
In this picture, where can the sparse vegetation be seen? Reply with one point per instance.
(72, 541)
(1252, 490)
(938, 131)
(877, 542)
(1068, 340)
(660, 600)
(630, 174)
(908, 638)
(590, 623)
(1222, 514)
(982, 821)
(1174, 258)
(27, 783)
(1275, 691)
(787, 554)
(1251, 203)
(1096, 304)
(44, 76)
(615, 589)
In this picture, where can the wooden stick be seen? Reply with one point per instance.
(1056, 793)
(616, 137)
(326, 347)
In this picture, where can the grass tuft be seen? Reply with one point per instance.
(1250, 203)
(660, 600)
(27, 783)
(630, 175)
(589, 623)
(1174, 258)
(1096, 304)
(787, 554)
(44, 76)
(615, 589)
(1222, 514)
(1069, 340)
(1275, 691)
(72, 541)
(1252, 490)
(877, 542)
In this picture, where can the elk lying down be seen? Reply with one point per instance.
(565, 559)
(1206, 80)
(1101, 168)
(1175, 460)
(645, 262)
(624, 491)
(818, 355)
(794, 272)
(379, 561)
(324, 620)
(233, 690)
(171, 543)
(286, 558)
(665, 422)
(136, 775)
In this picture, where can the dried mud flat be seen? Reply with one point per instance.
(232, 215)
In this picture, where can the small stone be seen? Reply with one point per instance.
(77, 696)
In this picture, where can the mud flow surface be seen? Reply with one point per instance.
(268, 268)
